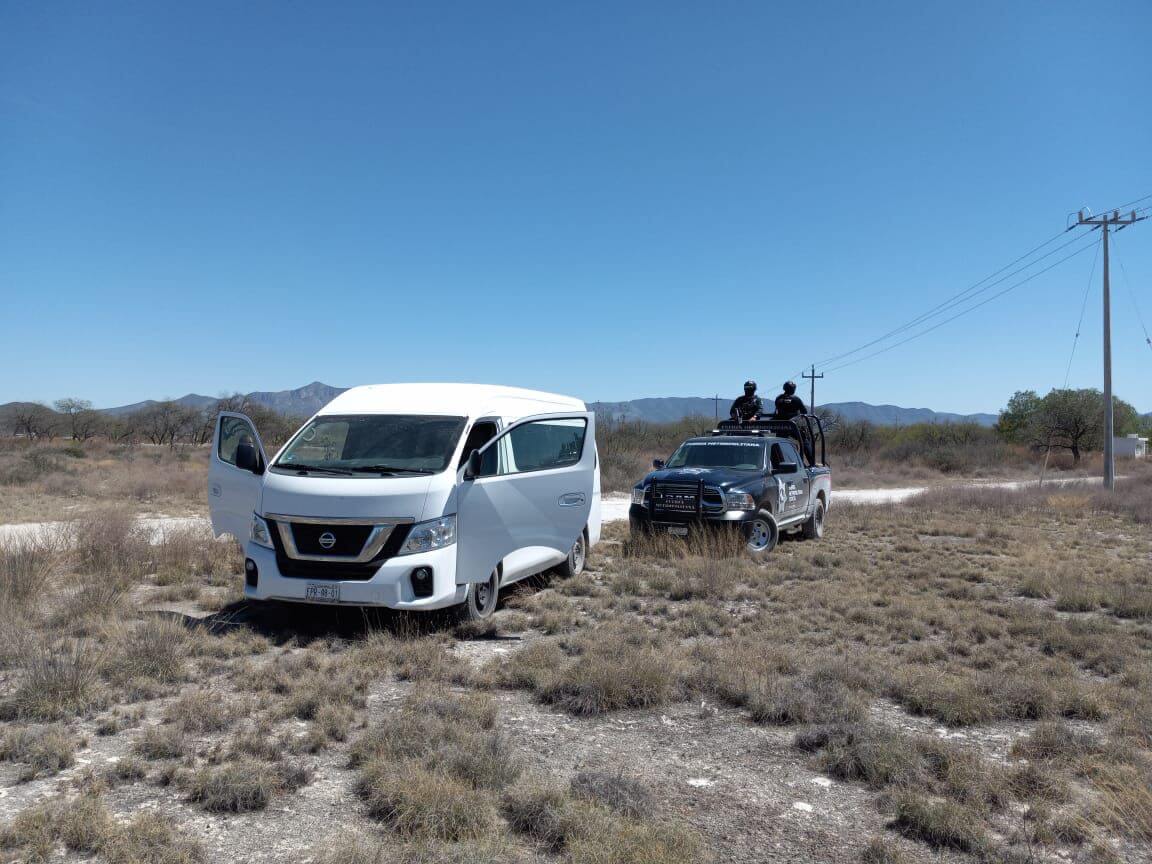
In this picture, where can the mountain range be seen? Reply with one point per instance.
(669, 408)
(307, 400)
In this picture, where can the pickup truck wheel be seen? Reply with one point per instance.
(761, 536)
(481, 600)
(573, 565)
(814, 527)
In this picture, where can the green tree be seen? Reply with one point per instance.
(1015, 423)
(1065, 419)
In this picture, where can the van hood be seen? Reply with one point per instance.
(348, 497)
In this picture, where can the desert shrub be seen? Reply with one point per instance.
(26, 565)
(238, 787)
(880, 851)
(940, 824)
(46, 749)
(112, 544)
(418, 803)
(447, 733)
(627, 447)
(161, 742)
(151, 652)
(611, 674)
(624, 795)
(56, 680)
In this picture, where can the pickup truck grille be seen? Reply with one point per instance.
(687, 499)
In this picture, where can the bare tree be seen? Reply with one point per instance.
(166, 422)
(82, 420)
(33, 420)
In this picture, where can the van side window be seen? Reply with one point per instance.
(537, 446)
(233, 431)
(481, 433)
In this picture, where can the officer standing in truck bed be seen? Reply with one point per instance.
(747, 407)
(788, 404)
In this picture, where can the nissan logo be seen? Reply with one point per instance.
(327, 540)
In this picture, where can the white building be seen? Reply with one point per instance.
(1131, 447)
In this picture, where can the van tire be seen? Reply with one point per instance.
(573, 565)
(761, 535)
(814, 527)
(481, 600)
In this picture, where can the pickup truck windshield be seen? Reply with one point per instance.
(740, 455)
(366, 444)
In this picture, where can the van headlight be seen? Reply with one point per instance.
(739, 501)
(433, 534)
(260, 534)
(638, 495)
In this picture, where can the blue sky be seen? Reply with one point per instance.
(610, 200)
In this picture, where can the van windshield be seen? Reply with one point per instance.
(349, 444)
(741, 455)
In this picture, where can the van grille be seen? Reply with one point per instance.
(343, 540)
(296, 568)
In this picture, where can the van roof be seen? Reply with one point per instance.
(469, 400)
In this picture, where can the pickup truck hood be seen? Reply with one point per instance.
(725, 478)
(347, 497)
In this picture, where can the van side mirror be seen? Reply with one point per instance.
(784, 468)
(475, 463)
(247, 457)
(657, 464)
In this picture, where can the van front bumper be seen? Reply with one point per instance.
(390, 586)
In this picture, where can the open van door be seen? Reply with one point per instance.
(233, 491)
(530, 493)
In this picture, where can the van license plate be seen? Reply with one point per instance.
(322, 593)
(678, 530)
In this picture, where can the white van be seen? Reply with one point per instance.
(411, 496)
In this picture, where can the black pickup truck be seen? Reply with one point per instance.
(759, 477)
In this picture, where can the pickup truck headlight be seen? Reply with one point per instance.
(260, 534)
(433, 534)
(638, 495)
(739, 501)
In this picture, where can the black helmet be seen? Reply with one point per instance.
(790, 387)
(749, 386)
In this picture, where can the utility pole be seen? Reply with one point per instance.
(716, 406)
(1103, 222)
(813, 376)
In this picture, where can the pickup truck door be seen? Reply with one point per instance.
(794, 484)
(233, 493)
(532, 495)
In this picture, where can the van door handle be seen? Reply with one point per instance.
(572, 499)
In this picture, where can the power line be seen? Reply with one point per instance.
(975, 289)
(960, 297)
(962, 312)
(1080, 321)
(1132, 295)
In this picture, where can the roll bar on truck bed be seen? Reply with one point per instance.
(790, 429)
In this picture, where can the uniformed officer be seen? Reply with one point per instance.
(788, 404)
(748, 406)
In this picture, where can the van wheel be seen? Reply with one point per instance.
(814, 527)
(573, 565)
(761, 536)
(481, 600)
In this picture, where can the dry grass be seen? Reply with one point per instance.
(84, 825)
(1019, 618)
(42, 750)
(418, 803)
(238, 787)
(42, 480)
